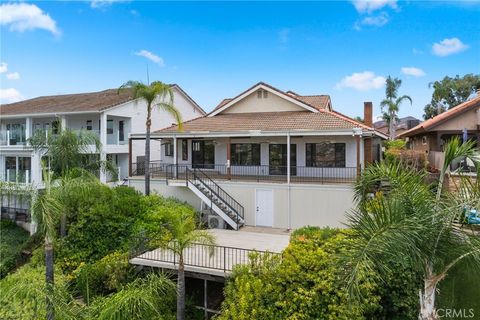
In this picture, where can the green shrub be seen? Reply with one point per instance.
(13, 240)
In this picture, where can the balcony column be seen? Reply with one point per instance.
(103, 141)
(28, 128)
(288, 158)
(129, 157)
(288, 182)
(357, 142)
(63, 123)
(229, 157)
(175, 160)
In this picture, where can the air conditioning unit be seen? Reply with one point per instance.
(215, 222)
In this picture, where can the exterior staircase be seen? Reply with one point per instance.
(215, 197)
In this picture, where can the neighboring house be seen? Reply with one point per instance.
(402, 125)
(110, 114)
(265, 158)
(431, 135)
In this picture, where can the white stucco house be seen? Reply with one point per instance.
(110, 114)
(265, 158)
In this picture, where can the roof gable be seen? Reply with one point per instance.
(292, 100)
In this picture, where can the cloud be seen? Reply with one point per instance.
(417, 51)
(13, 76)
(412, 71)
(375, 21)
(447, 47)
(362, 81)
(3, 67)
(100, 4)
(151, 56)
(283, 35)
(22, 17)
(10, 95)
(369, 6)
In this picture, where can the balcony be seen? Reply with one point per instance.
(13, 138)
(261, 173)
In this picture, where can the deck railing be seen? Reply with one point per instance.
(203, 256)
(261, 173)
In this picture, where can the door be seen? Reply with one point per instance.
(264, 207)
(203, 154)
(278, 159)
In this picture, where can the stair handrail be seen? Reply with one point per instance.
(226, 198)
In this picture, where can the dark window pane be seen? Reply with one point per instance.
(245, 154)
(325, 154)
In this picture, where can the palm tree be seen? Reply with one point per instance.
(47, 210)
(157, 94)
(406, 216)
(392, 104)
(183, 234)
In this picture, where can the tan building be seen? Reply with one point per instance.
(431, 135)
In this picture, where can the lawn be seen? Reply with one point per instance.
(12, 241)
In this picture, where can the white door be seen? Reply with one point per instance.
(264, 207)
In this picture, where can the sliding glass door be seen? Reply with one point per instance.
(203, 154)
(278, 159)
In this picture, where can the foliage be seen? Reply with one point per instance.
(151, 297)
(306, 283)
(23, 296)
(450, 92)
(104, 276)
(391, 104)
(12, 242)
(393, 148)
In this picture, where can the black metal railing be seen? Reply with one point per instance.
(215, 193)
(203, 256)
(260, 173)
(157, 168)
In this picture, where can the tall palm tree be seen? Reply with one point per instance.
(183, 234)
(157, 94)
(47, 210)
(405, 216)
(392, 104)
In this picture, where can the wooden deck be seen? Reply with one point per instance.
(233, 248)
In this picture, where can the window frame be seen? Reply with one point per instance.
(339, 150)
(249, 158)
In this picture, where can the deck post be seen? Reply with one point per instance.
(129, 157)
(175, 160)
(288, 158)
(229, 176)
(357, 140)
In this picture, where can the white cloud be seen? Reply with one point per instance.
(377, 21)
(98, 4)
(3, 67)
(151, 56)
(13, 76)
(10, 95)
(417, 51)
(362, 81)
(368, 6)
(22, 17)
(447, 47)
(412, 71)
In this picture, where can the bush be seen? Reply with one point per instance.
(305, 284)
(13, 240)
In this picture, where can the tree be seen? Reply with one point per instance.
(47, 210)
(391, 104)
(405, 215)
(157, 94)
(182, 235)
(450, 92)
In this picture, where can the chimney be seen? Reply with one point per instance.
(368, 114)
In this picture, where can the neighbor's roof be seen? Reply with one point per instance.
(319, 102)
(442, 117)
(79, 102)
(268, 121)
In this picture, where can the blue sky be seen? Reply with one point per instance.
(216, 50)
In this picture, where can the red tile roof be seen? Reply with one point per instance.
(442, 117)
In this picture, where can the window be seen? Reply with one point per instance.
(168, 149)
(89, 125)
(262, 94)
(109, 126)
(245, 154)
(121, 130)
(17, 169)
(203, 154)
(325, 154)
(185, 149)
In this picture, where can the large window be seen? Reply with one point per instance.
(168, 149)
(184, 149)
(203, 154)
(17, 169)
(245, 154)
(325, 154)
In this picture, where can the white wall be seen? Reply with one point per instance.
(272, 103)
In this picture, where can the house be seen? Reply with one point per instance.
(431, 135)
(110, 114)
(264, 158)
(402, 125)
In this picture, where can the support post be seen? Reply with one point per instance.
(357, 141)
(103, 140)
(175, 160)
(28, 128)
(229, 152)
(129, 157)
(288, 157)
(288, 181)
